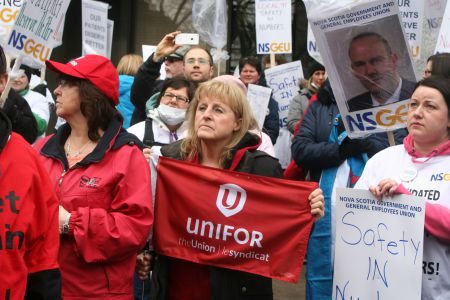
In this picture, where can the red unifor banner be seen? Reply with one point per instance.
(232, 220)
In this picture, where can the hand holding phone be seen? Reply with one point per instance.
(187, 39)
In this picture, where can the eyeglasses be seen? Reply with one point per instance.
(179, 98)
(201, 61)
(172, 59)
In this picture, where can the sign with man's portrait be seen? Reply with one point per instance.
(369, 65)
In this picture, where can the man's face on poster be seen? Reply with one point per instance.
(374, 65)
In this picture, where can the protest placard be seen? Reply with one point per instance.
(258, 97)
(371, 97)
(313, 50)
(412, 14)
(110, 38)
(94, 29)
(284, 82)
(443, 41)
(273, 26)
(37, 30)
(8, 14)
(379, 246)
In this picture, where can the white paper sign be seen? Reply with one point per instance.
(273, 26)
(8, 14)
(94, 29)
(443, 42)
(284, 82)
(313, 50)
(147, 50)
(258, 97)
(110, 37)
(37, 30)
(412, 13)
(371, 94)
(379, 246)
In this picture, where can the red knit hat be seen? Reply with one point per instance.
(96, 68)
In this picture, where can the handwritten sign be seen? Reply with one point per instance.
(273, 26)
(8, 14)
(37, 30)
(443, 42)
(412, 13)
(284, 82)
(378, 250)
(258, 97)
(94, 29)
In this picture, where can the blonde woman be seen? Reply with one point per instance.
(127, 69)
(219, 119)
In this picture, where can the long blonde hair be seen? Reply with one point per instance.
(129, 64)
(229, 94)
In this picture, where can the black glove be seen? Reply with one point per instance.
(353, 147)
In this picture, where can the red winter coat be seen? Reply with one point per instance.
(29, 237)
(108, 195)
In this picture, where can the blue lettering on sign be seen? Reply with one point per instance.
(263, 47)
(359, 122)
(376, 270)
(354, 235)
(312, 46)
(17, 39)
(341, 294)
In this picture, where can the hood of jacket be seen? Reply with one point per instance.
(442, 149)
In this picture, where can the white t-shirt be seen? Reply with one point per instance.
(427, 179)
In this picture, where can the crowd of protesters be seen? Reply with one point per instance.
(84, 197)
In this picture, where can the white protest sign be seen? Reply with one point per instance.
(434, 10)
(412, 13)
(273, 26)
(350, 36)
(379, 246)
(94, 29)
(110, 37)
(443, 41)
(37, 30)
(147, 50)
(258, 97)
(8, 14)
(284, 82)
(313, 50)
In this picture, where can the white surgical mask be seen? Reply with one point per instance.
(171, 115)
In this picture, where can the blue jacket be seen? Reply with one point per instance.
(125, 106)
(311, 148)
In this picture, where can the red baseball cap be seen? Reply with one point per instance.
(96, 68)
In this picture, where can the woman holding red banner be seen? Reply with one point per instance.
(218, 136)
(102, 181)
(421, 164)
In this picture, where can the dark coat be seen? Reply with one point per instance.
(21, 117)
(145, 84)
(364, 101)
(226, 284)
(311, 148)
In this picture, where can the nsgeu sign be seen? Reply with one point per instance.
(232, 220)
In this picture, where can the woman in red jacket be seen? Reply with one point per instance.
(102, 181)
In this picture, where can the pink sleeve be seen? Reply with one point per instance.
(437, 217)
(437, 221)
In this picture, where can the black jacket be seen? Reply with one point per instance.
(145, 84)
(21, 117)
(226, 284)
(311, 148)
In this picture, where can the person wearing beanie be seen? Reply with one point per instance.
(38, 103)
(315, 78)
(102, 182)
